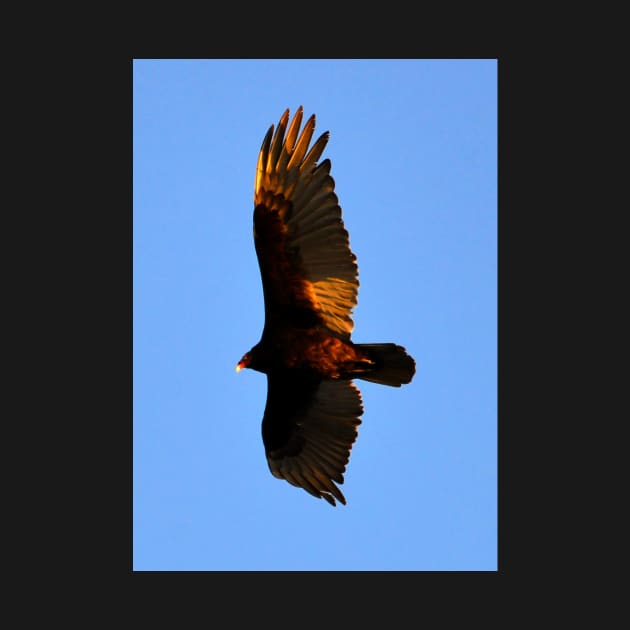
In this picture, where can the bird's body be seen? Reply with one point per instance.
(310, 282)
(310, 349)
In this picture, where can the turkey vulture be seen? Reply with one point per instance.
(310, 281)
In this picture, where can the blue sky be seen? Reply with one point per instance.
(413, 145)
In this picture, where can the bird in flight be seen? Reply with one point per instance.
(310, 282)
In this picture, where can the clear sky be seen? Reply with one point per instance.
(413, 145)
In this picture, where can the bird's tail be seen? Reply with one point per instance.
(392, 365)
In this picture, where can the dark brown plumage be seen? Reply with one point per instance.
(310, 282)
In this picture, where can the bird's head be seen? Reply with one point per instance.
(244, 362)
(255, 359)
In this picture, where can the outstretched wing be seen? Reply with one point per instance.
(309, 273)
(308, 430)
